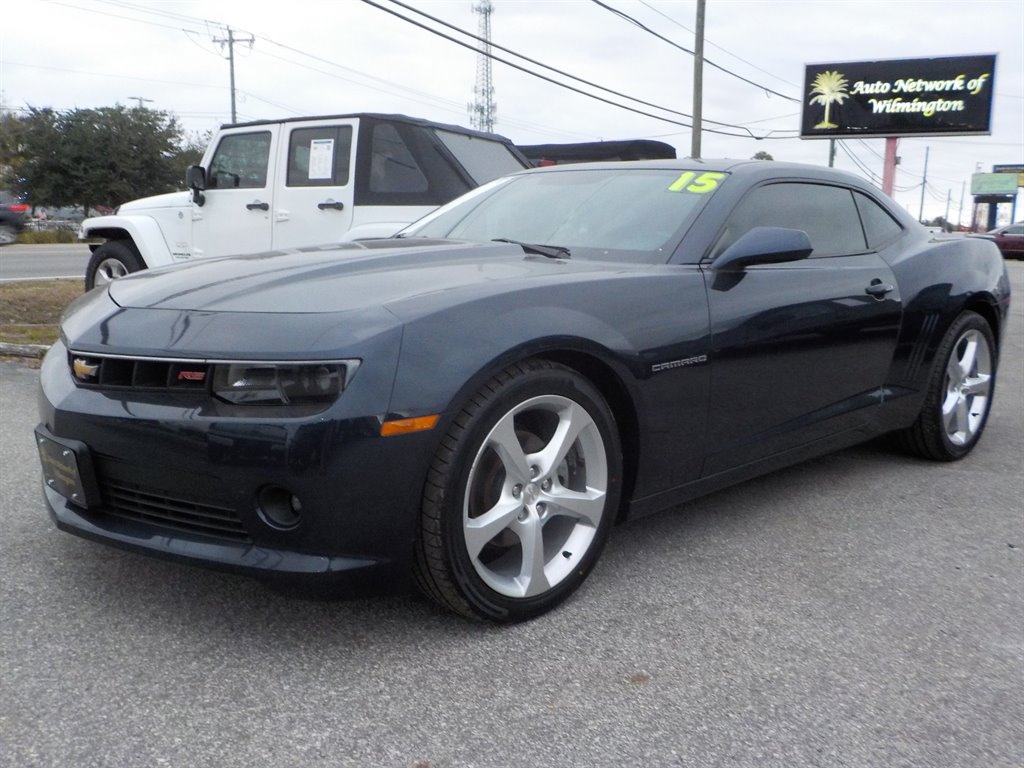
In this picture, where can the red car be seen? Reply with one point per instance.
(12, 218)
(1010, 239)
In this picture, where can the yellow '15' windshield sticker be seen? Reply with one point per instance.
(691, 182)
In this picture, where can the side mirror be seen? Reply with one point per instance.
(764, 245)
(195, 179)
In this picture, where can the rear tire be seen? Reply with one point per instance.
(959, 395)
(8, 234)
(113, 259)
(521, 495)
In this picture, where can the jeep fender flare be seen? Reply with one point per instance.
(141, 230)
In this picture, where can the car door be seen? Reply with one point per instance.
(235, 215)
(1011, 241)
(800, 349)
(314, 199)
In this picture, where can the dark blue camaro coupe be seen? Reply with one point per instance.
(476, 402)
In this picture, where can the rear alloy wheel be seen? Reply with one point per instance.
(113, 259)
(959, 394)
(521, 495)
(8, 235)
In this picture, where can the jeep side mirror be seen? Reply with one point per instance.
(195, 179)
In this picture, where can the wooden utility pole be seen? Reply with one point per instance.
(231, 40)
(698, 77)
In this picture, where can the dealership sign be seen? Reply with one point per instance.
(899, 97)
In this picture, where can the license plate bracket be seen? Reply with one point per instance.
(67, 468)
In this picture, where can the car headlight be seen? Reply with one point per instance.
(282, 383)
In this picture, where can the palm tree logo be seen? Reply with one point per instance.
(830, 87)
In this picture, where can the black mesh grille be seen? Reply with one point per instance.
(191, 515)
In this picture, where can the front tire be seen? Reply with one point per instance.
(521, 495)
(113, 259)
(959, 395)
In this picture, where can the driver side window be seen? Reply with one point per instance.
(827, 214)
(240, 162)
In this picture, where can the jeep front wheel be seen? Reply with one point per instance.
(113, 259)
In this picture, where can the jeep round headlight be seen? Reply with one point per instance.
(282, 383)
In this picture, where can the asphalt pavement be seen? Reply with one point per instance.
(38, 262)
(863, 609)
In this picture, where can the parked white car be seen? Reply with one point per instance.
(301, 182)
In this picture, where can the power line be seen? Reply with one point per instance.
(119, 16)
(522, 68)
(626, 17)
(561, 72)
(747, 134)
(723, 50)
(401, 91)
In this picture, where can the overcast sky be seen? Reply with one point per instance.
(315, 57)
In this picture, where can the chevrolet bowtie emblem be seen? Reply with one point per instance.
(84, 370)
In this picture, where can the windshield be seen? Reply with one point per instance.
(631, 214)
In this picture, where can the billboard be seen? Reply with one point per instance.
(902, 97)
(994, 183)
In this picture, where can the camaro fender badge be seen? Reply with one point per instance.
(84, 370)
(696, 360)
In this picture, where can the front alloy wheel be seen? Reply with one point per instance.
(521, 495)
(535, 496)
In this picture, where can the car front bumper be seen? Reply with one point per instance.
(169, 482)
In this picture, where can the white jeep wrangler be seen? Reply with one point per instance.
(300, 182)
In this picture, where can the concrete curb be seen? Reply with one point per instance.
(23, 350)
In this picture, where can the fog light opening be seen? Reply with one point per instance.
(278, 507)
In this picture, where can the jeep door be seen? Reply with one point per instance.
(314, 197)
(235, 216)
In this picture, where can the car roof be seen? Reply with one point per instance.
(751, 169)
(750, 172)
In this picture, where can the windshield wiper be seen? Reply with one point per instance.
(551, 251)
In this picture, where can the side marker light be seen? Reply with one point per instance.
(405, 426)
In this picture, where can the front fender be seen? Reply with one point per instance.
(646, 337)
(144, 231)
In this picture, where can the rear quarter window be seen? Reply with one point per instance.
(879, 225)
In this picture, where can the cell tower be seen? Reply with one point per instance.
(483, 110)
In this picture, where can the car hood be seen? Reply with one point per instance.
(405, 276)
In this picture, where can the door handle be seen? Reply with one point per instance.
(331, 204)
(878, 288)
(258, 205)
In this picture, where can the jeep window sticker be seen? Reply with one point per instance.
(321, 158)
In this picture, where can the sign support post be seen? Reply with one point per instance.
(889, 172)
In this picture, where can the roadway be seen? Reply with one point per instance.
(37, 262)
